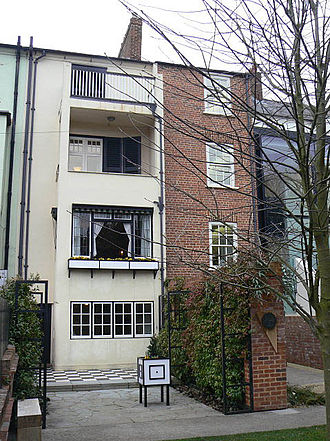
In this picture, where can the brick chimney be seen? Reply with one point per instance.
(256, 83)
(132, 43)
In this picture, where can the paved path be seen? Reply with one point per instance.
(116, 415)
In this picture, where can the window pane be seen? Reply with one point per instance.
(147, 307)
(98, 308)
(106, 308)
(118, 307)
(85, 308)
(85, 330)
(127, 307)
(107, 319)
(85, 319)
(139, 318)
(76, 330)
(97, 330)
(127, 329)
(107, 330)
(127, 318)
(76, 308)
(97, 319)
(139, 329)
(81, 229)
(119, 330)
(147, 329)
(118, 319)
(139, 307)
(147, 318)
(111, 239)
(76, 320)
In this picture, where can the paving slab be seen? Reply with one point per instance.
(116, 415)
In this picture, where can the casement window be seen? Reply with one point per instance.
(223, 243)
(115, 155)
(105, 232)
(220, 165)
(111, 319)
(217, 94)
(143, 319)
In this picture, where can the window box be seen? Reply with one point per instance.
(144, 265)
(83, 264)
(114, 265)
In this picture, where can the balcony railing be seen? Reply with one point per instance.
(97, 83)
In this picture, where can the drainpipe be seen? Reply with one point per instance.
(27, 225)
(161, 206)
(12, 154)
(25, 157)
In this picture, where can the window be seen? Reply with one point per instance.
(220, 165)
(111, 319)
(102, 319)
(143, 319)
(81, 320)
(223, 243)
(123, 320)
(85, 154)
(115, 155)
(217, 94)
(111, 232)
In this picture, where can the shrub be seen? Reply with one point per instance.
(24, 333)
(200, 359)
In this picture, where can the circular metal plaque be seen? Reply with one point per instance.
(268, 320)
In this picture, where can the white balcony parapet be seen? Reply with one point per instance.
(97, 83)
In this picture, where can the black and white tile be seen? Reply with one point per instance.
(90, 376)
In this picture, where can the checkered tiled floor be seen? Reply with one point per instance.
(91, 375)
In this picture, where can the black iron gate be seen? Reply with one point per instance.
(237, 387)
(42, 312)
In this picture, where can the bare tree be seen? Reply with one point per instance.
(283, 48)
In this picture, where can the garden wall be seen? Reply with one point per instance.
(302, 347)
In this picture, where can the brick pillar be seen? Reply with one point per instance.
(269, 363)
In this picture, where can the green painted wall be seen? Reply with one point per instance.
(7, 81)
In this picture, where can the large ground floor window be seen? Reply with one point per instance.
(111, 319)
(111, 232)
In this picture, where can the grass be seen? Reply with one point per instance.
(315, 433)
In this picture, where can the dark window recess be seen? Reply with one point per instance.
(122, 155)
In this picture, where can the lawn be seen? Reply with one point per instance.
(315, 433)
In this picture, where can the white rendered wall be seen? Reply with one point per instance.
(54, 186)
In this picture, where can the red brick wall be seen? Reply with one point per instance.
(190, 204)
(301, 344)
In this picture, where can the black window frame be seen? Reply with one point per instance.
(134, 211)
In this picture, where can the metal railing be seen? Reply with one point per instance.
(98, 84)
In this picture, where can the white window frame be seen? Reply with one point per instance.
(217, 95)
(233, 227)
(123, 324)
(81, 324)
(143, 322)
(102, 315)
(227, 151)
(85, 154)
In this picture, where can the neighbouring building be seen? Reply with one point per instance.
(13, 77)
(278, 227)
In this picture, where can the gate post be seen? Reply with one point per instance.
(269, 350)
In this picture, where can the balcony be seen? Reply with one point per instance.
(98, 84)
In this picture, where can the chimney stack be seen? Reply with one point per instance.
(132, 43)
